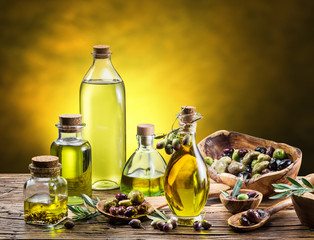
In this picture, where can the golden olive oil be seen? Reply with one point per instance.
(149, 187)
(75, 159)
(186, 182)
(43, 209)
(102, 105)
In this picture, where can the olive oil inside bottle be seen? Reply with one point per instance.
(148, 186)
(75, 158)
(45, 209)
(102, 104)
(186, 182)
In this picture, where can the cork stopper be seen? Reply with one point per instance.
(101, 51)
(188, 113)
(145, 129)
(70, 119)
(45, 166)
(45, 161)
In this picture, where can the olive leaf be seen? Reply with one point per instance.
(225, 193)
(296, 188)
(237, 187)
(163, 216)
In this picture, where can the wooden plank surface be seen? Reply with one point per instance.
(284, 224)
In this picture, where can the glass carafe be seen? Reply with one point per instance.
(187, 179)
(145, 169)
(102, 104)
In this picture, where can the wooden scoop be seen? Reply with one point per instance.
(234, 223)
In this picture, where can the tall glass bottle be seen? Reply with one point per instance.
(75, 156)
(102, 104)
(186, 177)
(145, 169)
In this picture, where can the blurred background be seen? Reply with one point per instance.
(247, 66)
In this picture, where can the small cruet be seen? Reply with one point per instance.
(186, 178)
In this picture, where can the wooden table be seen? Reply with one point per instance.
(284, 224)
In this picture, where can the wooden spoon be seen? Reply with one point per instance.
(234, 223)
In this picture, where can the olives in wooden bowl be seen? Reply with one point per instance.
(213, 146)
(246, 199)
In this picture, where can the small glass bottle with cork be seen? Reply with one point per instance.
(74, 153)
(145, 168)
(45, 193)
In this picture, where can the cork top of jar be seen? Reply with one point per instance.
(45, 161)
(70, 119)
(145, 129)
(101, 51)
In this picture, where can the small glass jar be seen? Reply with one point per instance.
(145, 169)
(45, 193)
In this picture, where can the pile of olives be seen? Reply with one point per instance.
(252, 217)
(126, 205)
(250, 163)
(197, 225)
(172, 143)
(163, 225)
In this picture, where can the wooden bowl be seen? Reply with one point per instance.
(236, 206)
(304, 206)
(213, 145)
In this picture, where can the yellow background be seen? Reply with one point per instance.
(246, 65)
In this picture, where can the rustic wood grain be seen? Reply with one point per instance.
(214, 144)
(284, 224)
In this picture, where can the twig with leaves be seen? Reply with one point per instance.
(296, 188)
(81, 213)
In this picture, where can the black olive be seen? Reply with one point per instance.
(228, 151)
(121, 196)
(197, 225)
(273, 164)
(121, 210)
(261, 213)
(284, 163)
(69, 224)
(136, 223)
(244, 221)
(244, 174)
(160, 225)
(173, 223)
(249, 168)
(260, 149)
(206, 225)
(167, 227)
(252, 194)
(253, 216)
(242, 152)
(270, 151)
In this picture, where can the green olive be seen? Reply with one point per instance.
(253, 163)
(125, 203)
(235, 155)
(136, 196)
(236, 167)
(259, 167)
(242, 196)
(263, 157)
(219, 166)
(226, 160)
(249, 157)
(279, 154)
(209, 160)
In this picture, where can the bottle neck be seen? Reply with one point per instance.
(187, 127)
(66, 135)
(145, 141)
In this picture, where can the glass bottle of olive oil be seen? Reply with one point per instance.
(102, 104)
(186, 178)
(75, 156)
(145, 169)
(45, 193)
